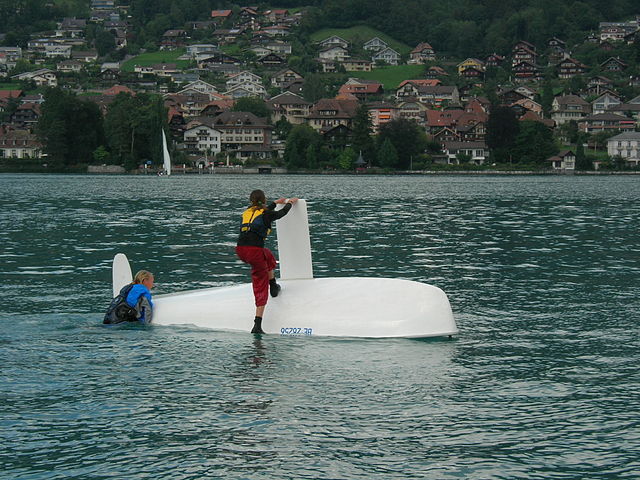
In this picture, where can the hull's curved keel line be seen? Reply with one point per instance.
(338, 306)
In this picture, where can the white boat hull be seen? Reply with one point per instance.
(349, 307)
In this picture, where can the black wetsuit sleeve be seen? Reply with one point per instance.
(271, 215)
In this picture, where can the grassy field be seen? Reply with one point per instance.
(391, 76)
(360, 35)
(10, 86)
(152, 58)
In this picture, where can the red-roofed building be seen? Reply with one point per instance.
(221, 14)
(425, 82)
(116, 89)
(362, 91)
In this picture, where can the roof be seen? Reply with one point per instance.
(626, 136)
(425, 82)
(220, 13)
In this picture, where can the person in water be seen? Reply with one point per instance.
(256, 225)
(134, 302)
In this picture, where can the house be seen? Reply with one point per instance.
(218, 58)
(557, 50)
(276, 15)
(606, 122)
(199, 50)
(523, 52)
(613, 64)
(387, 55)
(436, 95)
(242, 128)
(43, 77)
(435, 72)
(278, 47)
(412, 109)
(528, 105)
(333, 41)
(84, 56)
(472, 73)
(604, 102)
(569, 107)
(199, 137)
(477, 152)
(189, 104)
(422, 53)
(71, 28)
(68, 66)
(627, 146)
(164, 69)
(290, 107)
(381, 113)
(529, 116)
(271, 60)
(327, 113)
(375, 44)
(221, 15)
(18, 143)
(173, 39)
(565, 160)
(199, 86)
(362, 89)
(526, 71)
(494, 60)
(242, 78)
(277, 30)
(284, 77)
(570, 67)
(57, 51)
(470, 63)
(26, 115)
(336, 53)
(598, 84)
(247, 89)
(357, 65)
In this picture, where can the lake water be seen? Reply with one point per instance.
(543, 275)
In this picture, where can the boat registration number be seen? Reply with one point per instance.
(296, 331)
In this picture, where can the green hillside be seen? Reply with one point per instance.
(153, 58)
(391, 76)
(359, 35)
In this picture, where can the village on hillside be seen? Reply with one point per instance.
(248, 52)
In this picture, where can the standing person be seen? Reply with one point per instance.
(133, 303)
(256, 225)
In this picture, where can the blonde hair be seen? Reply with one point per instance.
(141, 276)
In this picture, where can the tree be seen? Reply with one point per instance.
(296, 152)
(255, 105)
(361, 132)
(346, 159)
(582, 162)
(387, 156)
(407, 137)
(534, 143)
(70, 128)
(502, 129)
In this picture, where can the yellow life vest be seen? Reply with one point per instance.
(253, 221)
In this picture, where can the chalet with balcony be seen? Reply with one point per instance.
(375, 44)
(328, 113)
(272, 60)
(565, 160)
(422, 53)
(569, 107)
(627, 146)
(526, 72)
(362, 89)
(598, 85)
(71, 28)
(242, 128)
(26, 115)
(524, 52)
(333, 41)
(387, 55)
(606, 122)
(284, 77)
(289, 106)
(335, 53)
(570, 67)
(357, 65)
(494, 60)
(412, 109)
(381, 113)
(433, 95)
(604, 103)
(613, 64)
(43, 77)
(173, 39)
(470, 63)
(18, 143)
(200, 137)
(477, 152)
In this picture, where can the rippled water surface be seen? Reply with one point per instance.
(543, 274)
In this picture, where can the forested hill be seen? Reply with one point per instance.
(459, 28)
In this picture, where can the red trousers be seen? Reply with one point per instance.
(262, 262)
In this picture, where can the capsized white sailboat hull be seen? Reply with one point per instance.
(350, 307)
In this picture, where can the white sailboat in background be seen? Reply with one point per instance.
(165, 155)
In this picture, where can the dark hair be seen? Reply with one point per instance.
(257, 198)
